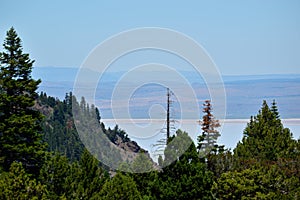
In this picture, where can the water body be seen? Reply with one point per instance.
(152, 131)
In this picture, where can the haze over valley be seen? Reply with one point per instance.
(244, 94)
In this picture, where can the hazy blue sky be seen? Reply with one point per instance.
(242, 37)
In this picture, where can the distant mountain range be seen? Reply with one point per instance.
(244, 93)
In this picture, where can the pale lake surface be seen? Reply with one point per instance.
(231, 130)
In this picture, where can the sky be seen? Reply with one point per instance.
(242, 37)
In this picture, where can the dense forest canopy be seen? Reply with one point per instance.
(43, 157)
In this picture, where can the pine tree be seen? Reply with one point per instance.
(219, 161)
(274, 109)
(187, 177)
(59, 130)
(54, 174)
(20, 136)
(265, 138)
(119, 187)
(209, 136)
(247, 184)
(86, 178)
(17, 184)
(266, 161)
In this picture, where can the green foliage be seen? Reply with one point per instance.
(53, 174)
(90, 178)
(219, 161)
(114, 133)
(58, 126)
(247, 184)
(144, 175)
(176, 148)
(265, 164)
(142, 163)
(119, 187)
(256, 183)
(148, 184)
(20, 136)
(187, 177)
(60, 132)
(265, 138)
(17, 184)
(77, 180)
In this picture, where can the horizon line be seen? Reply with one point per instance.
(223, 75)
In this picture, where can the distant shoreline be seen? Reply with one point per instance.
(290, 121)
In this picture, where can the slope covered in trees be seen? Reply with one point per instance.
(44, 158)
(59, 130)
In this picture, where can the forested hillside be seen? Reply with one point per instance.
(42, 157)
(59, 130)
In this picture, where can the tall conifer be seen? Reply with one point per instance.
(209, 125)
(20, 138)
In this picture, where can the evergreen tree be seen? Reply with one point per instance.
(265, 138)
(59, 131)
(144, 175)
(219, 161)
(274, 109)
(187, 177)
(86, 178)
(142, 163)
(17, 184)
(20, 138)
(207, 141)
(257, 182)
(54, 174)
(120, 187)
(247, 184)
(268, 151)
(92, 175)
